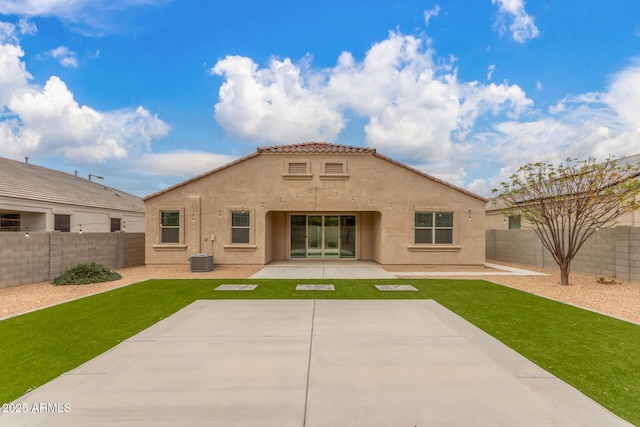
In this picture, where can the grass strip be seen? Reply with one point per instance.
(596, 354)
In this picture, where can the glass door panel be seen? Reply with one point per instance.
(314, 236)
(298, 236)
(323, 236)
(348, 236)
(331, 234)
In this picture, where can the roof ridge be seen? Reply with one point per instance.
(315, 147)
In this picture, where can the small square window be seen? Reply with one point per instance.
(515, 222)
(115, 224)
(62, 223)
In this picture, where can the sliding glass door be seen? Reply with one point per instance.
(323, 236)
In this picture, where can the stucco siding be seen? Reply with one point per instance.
(382, 195)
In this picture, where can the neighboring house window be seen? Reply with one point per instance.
(115, 224)
(514, 222)
(240, 227)
(433, 228)
(169, 226)
(62, 223)
(10, 222)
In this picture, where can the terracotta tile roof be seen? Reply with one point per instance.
(315, 147)
(30, 182)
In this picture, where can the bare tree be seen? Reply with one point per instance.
(566, 204)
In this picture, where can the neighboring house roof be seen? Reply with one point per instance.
(316, 148)
(22, 180)
(629, 160)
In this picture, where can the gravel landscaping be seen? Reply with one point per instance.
(620, 299)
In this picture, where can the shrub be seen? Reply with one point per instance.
(86, 273)
(607, 281)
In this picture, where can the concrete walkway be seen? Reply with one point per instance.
(342, 269)
(309, 363)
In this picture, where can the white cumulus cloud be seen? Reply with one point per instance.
(50, 122)
(431, 13)
(272, 104)
(513, 18)
(66, 57)
(580, 126)
(416, 107)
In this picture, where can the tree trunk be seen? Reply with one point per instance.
(564, 272)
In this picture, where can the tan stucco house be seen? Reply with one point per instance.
(315, 201)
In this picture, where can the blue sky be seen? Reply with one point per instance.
(148, 93)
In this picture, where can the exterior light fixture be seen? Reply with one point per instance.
(469, 214)
(27, 233)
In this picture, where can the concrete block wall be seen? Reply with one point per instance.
(598, 255)
(610, 252)
(634, 254)
(516, 246)
(43, 256)
(87, 247)
(23, 260)
(132, 251)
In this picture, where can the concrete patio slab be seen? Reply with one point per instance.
(347, 269)
(323, 269)
(246, 287)
(309, 287)
(310, 363)
(387, 288)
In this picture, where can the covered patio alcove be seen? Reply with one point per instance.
(322, 235)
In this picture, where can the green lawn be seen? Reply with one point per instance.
(594, 353)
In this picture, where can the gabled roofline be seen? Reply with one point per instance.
(198, 177)
(433, 178)
(316, 148)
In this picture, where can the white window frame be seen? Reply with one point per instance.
(163, 227)
(433, 228)
(248, 227)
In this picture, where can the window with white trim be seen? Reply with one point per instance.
(240, 227)
(169, 226)
(433, 228)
